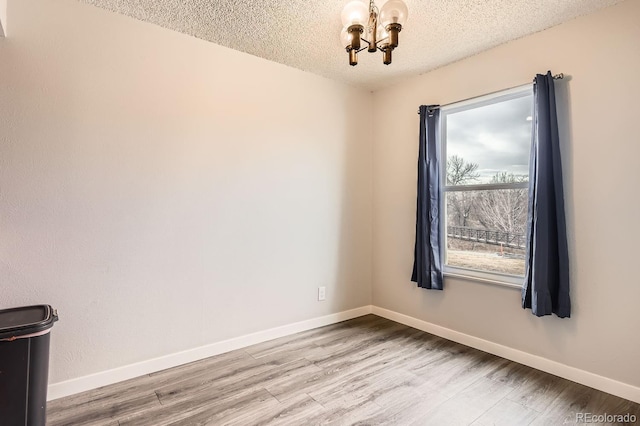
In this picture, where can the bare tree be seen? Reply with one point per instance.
(459, 204)
(504, 177)
(503, 209)
(460, 172)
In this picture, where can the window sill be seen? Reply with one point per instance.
(492, 280)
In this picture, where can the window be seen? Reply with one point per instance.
(486, 142)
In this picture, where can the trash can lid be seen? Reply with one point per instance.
(16, 322)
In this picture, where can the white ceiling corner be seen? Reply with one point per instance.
(305, 34)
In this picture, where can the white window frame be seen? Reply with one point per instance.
(508, 280)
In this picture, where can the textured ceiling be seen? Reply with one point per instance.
(305, 34)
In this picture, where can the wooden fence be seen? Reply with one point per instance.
(486, 236)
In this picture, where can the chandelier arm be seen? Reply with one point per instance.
(372, 6)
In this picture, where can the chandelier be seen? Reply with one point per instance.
(377, 29)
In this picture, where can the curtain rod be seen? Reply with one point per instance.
(555, 77)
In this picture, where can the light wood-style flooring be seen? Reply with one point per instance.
(365, 371)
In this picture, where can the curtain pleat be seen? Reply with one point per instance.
(427, 264)
(546, 285)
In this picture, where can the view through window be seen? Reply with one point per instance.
(487, 146)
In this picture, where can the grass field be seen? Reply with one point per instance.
(485, 261)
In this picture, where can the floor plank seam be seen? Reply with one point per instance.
(485, 411)
(274, 397)
(250, 355)
(158, 397)
(524, 405)
(496, 403)
(318, 402)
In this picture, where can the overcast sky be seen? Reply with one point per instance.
(497, 137)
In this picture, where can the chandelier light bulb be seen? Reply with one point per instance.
(393, 12)
(355, 13)
(345, 38)
(381, 33)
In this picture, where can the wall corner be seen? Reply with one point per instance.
(3, 18)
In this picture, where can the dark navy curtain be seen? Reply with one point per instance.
(427, 264)
(546, 286)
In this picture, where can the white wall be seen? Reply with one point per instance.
(601, 54)
(164, 193)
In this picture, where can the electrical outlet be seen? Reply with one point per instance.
(322, 293)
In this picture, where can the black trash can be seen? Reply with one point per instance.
(24, 364)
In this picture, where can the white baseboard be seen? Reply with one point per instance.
(586, 378)
(81, 384)
(93, 381)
